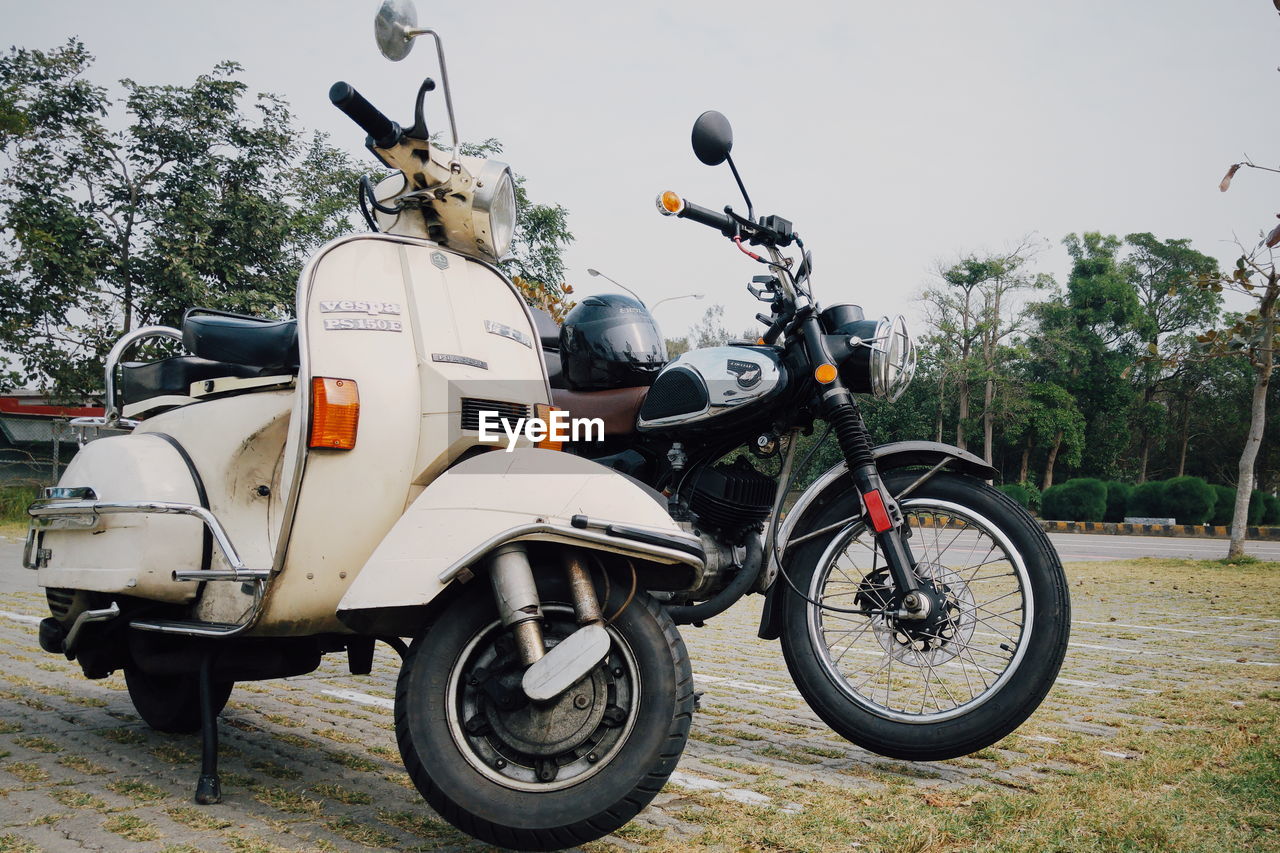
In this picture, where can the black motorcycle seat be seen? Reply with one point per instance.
(173, 376)
(268, 344)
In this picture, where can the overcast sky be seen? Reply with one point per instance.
(894, 135)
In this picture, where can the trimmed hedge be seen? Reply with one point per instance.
(1147, 500)
(1081, 499)
(1272, 513)
(1117, 501)
(1019, 493)
(1189, 500)
(1257, 507)
(1224, 505)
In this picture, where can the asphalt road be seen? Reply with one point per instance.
(1073, 547)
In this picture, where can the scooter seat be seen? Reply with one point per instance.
(268, 344)
(617, 407)
(173, 376)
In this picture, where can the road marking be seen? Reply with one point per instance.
(362, 698)
(1171, 655)
(1160, 628)
(1097, 684)
(21, 617)
(749, 686)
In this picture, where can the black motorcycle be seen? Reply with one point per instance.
(923, 614)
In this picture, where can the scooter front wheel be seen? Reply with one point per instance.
(542, 776)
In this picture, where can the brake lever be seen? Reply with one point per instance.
(768, 289)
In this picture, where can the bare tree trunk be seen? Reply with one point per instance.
(1146, 452)
(988, 418)
(1257, 417)
(1053, 457)
(1185, 438)
(963, 413)
(1026, 458)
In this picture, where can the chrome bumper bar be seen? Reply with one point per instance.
(54, 513)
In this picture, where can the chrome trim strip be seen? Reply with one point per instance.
(587, 536)
(189, 629)
(52, 508)
(69, 644)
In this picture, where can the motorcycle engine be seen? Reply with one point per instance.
(732, 499)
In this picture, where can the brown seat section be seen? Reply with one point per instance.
(617, 407)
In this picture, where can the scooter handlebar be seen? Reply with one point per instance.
(384, 132)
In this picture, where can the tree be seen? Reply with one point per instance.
(190, 202)
(974, 317)
(1164, 275)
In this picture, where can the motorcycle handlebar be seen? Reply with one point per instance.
(384, 132)
(718, 221)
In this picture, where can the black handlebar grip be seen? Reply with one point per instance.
(718, 221)
(384, 132)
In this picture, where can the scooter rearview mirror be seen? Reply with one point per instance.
(394, 28)
(712, 137)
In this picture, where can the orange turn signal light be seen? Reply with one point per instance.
(543, 412)
(335, 413)
(825, 373)
(670, 203)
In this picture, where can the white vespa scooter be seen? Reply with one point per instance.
(288, 489)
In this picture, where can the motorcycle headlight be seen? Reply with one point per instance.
(882, 357)
(493, 210)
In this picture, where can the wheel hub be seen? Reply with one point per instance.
(935, 639)
(551, 728)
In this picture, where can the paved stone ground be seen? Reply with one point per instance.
(310, 763)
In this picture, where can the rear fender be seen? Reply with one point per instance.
(527, 495)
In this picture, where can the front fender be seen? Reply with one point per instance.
(898, 454)
(498, 497)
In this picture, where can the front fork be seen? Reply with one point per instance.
(880, 511)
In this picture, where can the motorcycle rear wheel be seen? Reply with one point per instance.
(955, 684)
(532, 778)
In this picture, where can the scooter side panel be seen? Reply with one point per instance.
(128, 554)
(480, 499)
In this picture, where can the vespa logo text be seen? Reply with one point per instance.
(358, 306)
(559, 428)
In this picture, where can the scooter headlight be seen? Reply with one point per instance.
(493, 211)
(882, 357)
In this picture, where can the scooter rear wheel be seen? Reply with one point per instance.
(542, 777)
(171, 703)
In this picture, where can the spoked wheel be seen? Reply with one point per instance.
(542, 776)
(962, 678)
(171, 703)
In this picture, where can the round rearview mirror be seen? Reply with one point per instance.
(393, 27)
(712, 137)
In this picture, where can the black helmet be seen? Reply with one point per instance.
(610, 341)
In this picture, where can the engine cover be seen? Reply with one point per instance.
(711, 384)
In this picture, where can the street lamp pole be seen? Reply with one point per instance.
(670, 298)
(619, 284)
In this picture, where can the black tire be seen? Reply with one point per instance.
(171, 703)
(960, 652)
(598, 797)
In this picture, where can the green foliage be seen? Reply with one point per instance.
(1257, 508)
(1081, 499)
(119, 213)
(1018, 492)
(1271, 515)
(1189, 500)
(14, 501)
(1147, 500)
(1224, 505)
(1117, 500)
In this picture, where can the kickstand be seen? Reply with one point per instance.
(208, 789)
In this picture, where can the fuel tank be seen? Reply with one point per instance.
(713, 387)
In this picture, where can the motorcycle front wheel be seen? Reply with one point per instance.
(542, 777)
(952, 684)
